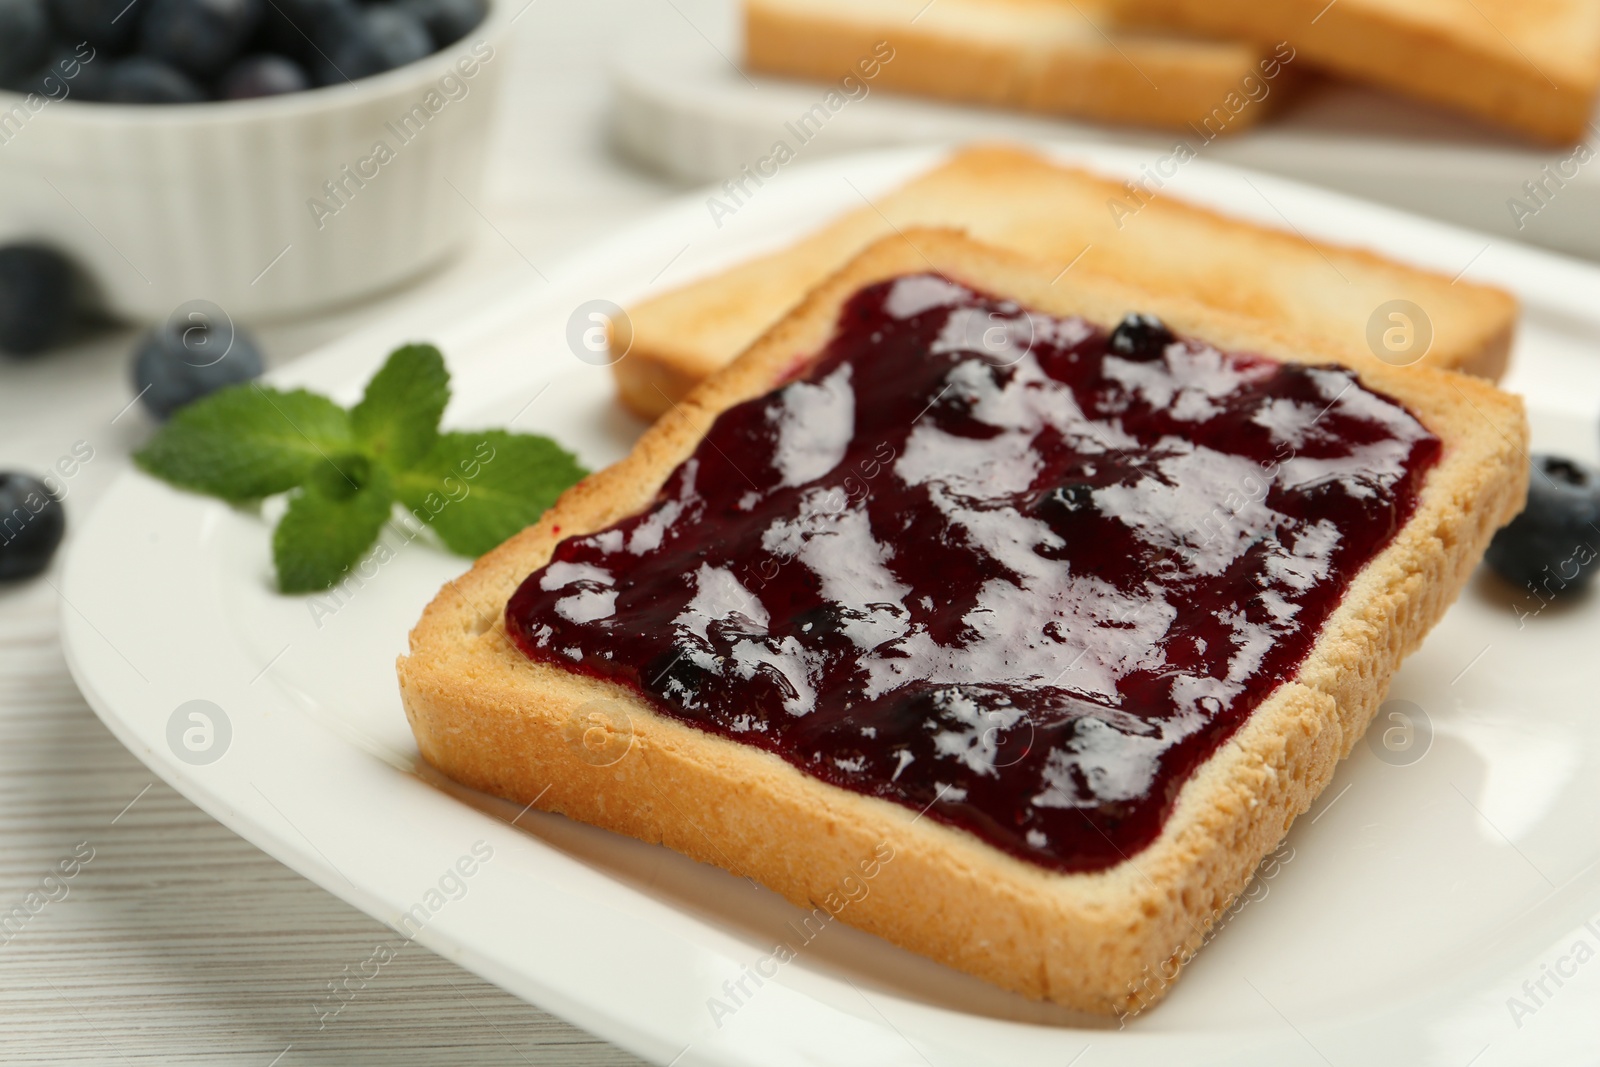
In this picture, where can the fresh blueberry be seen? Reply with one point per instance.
(447, 20)
(105, 25)
(142, 80)
(24, 39)
(198, 36)
(263, 75)
(184, 360)
(1553, 547)
(68, 77)
(303, 29)
(37, 298)
(32, 522)
(383, 38)
(1141, 336)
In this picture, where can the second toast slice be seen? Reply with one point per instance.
(1075, 223)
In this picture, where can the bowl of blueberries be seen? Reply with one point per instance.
(271, 156)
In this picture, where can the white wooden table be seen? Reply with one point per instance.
(180, 942)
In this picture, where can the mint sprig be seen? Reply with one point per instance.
(248, 442)
(346, 470)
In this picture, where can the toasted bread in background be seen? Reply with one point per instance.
(488, 716)
(1532, 65)
(1069, 218)
(1035, 55)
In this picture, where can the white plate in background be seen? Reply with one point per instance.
(1420, 896)
(689, 113)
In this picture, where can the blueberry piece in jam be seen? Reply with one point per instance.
(1140, 336)
(1063, 499)
(818, 622)
(676, 674)
(1064, 509)
(1552, 545)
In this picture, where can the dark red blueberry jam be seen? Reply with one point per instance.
(976, 562)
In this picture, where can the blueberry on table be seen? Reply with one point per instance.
(179, 363)
(262, 75)
(24, 39)
(32, 522)
(447, 21)
(198, 36)
(142, 80)
(383, 38)
(105, 25)
(1141, 336)
(38, 298)
(1553, 547)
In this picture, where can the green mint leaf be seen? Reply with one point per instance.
(398, 417)
(329, 524)
(347, 468)
(477, 489)
(248, 441)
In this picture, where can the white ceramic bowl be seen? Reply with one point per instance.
(220, 201)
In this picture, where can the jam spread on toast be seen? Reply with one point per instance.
(1010, 571)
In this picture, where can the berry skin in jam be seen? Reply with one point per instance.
(1140, 336)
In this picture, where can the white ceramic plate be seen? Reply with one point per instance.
(1423, 891)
